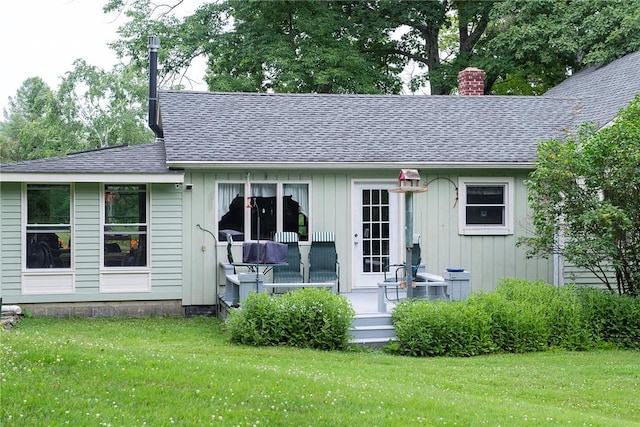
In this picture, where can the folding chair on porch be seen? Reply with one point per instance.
(293, 272)
(323, 259)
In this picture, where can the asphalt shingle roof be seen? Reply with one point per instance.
(216, 129)
(142, 159)
(604, 89)
(227, 127)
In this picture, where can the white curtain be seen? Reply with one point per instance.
(226, 193)
(264, 190)
(299, 193)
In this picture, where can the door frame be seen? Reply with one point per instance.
(359, 278)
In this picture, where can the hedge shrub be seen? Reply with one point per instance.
(558, 309)
(516, 327)
(437, 328)
(611, 319)
(306, 318)
(521, 316)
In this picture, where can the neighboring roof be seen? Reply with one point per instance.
(287, 130)
(146, 159)
(603, 89)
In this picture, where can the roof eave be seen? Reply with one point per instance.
(241, 165)
(133, 178)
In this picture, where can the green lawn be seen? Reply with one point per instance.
(174, 371)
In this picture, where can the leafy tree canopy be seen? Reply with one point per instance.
(91, 109)
(532, 45)
(525, 46)
(585, 194)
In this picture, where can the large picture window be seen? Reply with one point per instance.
(48, 226)
(486, 206)
(125, 225)
(244, 210)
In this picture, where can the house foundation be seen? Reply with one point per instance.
(107, 309)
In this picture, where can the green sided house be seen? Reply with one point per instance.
(146, 226)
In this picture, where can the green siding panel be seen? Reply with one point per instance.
(10, 235)
(165, 237)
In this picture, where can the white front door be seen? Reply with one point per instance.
(376, 231)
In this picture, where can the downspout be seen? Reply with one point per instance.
(154, 125)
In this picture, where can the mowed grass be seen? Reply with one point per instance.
(182, 371)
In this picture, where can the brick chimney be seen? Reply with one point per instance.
(471, 81)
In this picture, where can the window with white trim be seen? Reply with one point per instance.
(125, 225)
(486, 206)
(48, 226)
(244, 209)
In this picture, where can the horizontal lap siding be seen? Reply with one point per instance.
(579, 276)
(10, 236)
(166, 239)
(86, 241)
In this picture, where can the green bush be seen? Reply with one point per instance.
(612, 319)
(306, 318)
(521, 316)
(437, 328)
(516, 327)
(558, 309)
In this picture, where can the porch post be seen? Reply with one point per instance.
(408, 183)
(408, 241)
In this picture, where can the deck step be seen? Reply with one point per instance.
(382, 331)
(372, 319)
(372, 329)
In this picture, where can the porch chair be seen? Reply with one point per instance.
(293, 272)
(399, 272)
(323, 259)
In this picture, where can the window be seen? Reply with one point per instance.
(125, 226)
(48, 231)
(486, 206)
(264, 208)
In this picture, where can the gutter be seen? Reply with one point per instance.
(243, 165)
(66, 177)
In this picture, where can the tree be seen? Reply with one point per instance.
(33, 126)
(532, 45)
(109, 107)
(319, 46)
(92, 109)
(585, 194)
(525, 46)
(303, 47)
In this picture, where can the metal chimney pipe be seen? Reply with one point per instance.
(154, 45)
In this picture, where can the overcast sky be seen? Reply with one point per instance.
(42, 38)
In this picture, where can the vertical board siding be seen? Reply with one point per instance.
(488, 258)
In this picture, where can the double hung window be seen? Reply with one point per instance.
(48, 226)
(248, 211)
(125, 225)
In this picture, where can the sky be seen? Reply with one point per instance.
(42, 38)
